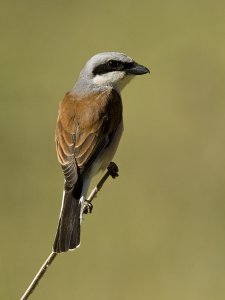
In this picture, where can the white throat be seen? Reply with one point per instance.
(117, 80)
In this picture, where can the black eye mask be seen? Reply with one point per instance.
(112, 65)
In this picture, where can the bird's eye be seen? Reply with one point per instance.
(115, 65)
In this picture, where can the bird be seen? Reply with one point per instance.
(88, 130)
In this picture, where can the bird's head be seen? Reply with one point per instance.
(112, 69)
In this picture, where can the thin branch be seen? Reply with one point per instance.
(112, 170)
(39, 275)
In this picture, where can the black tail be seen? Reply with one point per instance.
(68, 231)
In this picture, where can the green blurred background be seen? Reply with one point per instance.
(157, 232)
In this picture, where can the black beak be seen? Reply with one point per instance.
(137, 69)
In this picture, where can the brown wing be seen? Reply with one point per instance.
(85, 126)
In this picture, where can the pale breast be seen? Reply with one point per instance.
(107, 154)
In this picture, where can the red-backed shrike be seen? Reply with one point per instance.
(88, 131)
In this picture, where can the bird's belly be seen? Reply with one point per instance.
(106, 156)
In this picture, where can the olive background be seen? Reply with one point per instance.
(158, 231)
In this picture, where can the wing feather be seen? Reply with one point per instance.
(84, 127)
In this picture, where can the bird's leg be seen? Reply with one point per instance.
(112, 171)
(88, 206)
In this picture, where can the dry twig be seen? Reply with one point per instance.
(111, 171)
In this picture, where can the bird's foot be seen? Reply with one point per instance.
(113, 170)
(88, 206)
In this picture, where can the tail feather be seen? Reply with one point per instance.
(68, 231)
